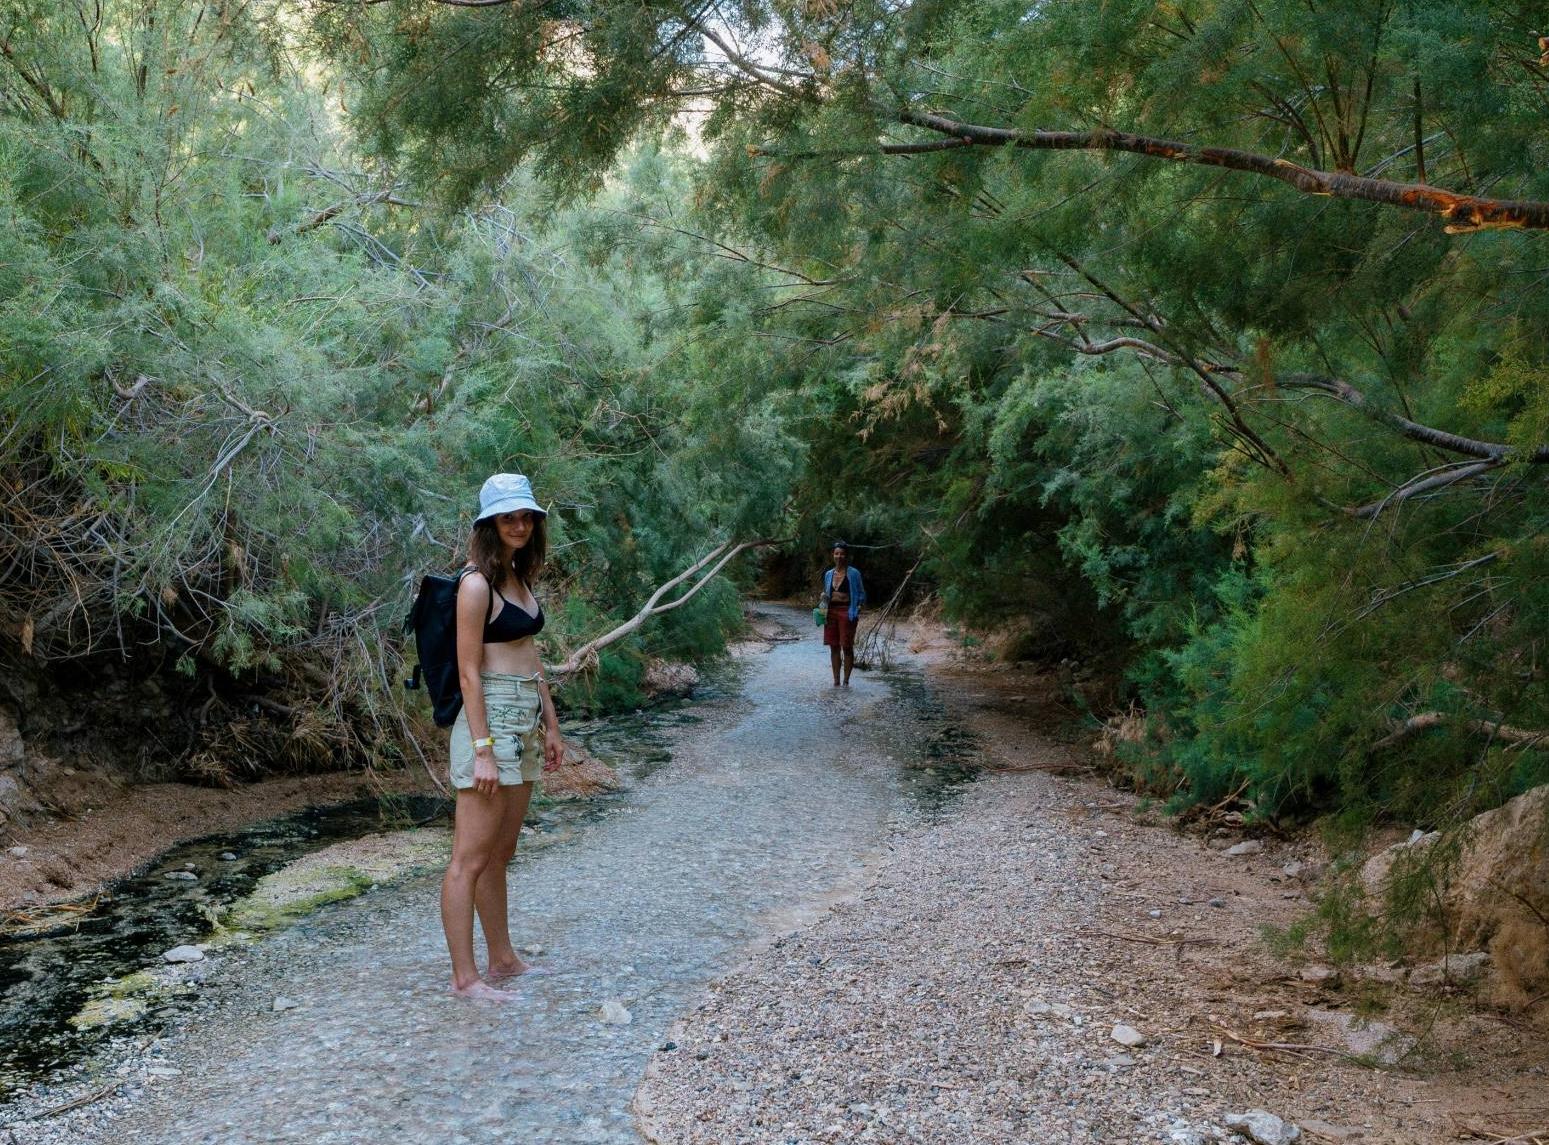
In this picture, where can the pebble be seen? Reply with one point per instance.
(614, 1014)
(1246, 847)
(1218, 903)
(1154, 914)
(1128, 1036)
(1263, 1127)
(228, 857)
(18, 851)
(281, 1003)
(183, 954)
(182, 876)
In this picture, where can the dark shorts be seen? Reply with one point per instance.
(839, 630)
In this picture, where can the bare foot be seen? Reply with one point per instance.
(481, 991)
(506, 971)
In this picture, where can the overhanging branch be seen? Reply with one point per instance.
(1461, 213)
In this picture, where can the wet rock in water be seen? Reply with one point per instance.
(183, 954)
(1247, 847)
(282, 1003)
(228, 857)
(182, 876)
(1128, 1036)
(1263, 1127)
(614, 1014)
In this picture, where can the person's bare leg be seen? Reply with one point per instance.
(474, 831)
(849, 664)
(833, 659)
(489, 893)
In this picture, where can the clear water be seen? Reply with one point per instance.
(775, 797)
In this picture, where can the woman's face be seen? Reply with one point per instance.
(840, 556)
(515, 529)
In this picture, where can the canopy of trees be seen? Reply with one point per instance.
(1206, 337)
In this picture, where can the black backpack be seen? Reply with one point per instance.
(433, 620)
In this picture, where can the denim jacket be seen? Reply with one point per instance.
(857, 592)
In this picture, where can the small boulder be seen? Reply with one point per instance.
(1128, 1036)
(614, 1014)
(1263, 1127)
(1455, 969)
(1246, 847)
(183, 954)
(282, 1003)
(1319, 975)
(182, 876)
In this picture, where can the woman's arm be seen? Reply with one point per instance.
(473, 602)
(857, 590)
(553, 744)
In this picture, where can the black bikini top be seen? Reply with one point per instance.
(512, 622)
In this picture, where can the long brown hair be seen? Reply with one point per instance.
(526, 565)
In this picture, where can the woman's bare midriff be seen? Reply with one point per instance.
(513, 658)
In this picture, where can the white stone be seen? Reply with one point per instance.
(18, 852)
(1127, 1036)
(182, 876)
(1263, 1127)
(183, 954)
(1247, 847)
(281, 1002)
(614, 1013)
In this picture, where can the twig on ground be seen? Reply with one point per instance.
(74, 1103)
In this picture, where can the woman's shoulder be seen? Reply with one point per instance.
(472, 581)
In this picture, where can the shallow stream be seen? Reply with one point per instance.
(748, 812)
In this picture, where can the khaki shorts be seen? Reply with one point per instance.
(515, 712)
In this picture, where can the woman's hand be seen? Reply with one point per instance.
(486, 776)
(553, 749)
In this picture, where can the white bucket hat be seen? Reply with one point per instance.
(507, 493)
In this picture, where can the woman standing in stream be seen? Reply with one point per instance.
(506, 734)
(843, 595)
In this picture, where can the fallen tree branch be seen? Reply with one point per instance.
(722, 554)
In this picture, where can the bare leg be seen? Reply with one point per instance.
(833, 659)
(849, 665)
(489, 893)
(474, 832)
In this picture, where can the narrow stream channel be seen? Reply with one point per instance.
(746, 812)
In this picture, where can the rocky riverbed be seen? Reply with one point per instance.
(801, 929)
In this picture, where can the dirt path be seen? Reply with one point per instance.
(972, 991)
